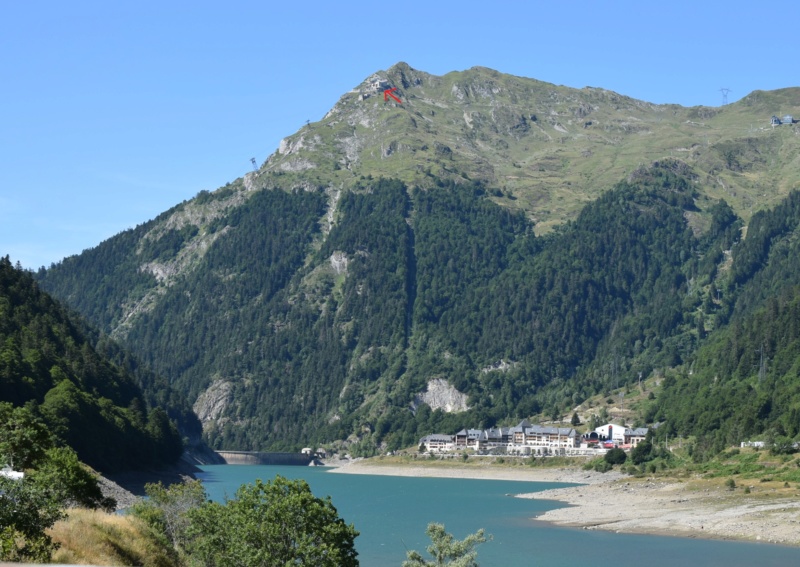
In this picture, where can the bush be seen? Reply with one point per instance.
(602, 466)
(445, 547)
(782, 446)
(642, 453)
(730, 483)
(166, 509)
(615, 457)
(274, 523)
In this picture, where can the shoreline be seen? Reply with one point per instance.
(673, 508)
(692, 508)
(128, 487)
(482, 472)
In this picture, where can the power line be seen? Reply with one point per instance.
(724, 91)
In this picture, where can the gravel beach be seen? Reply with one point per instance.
(615, 502)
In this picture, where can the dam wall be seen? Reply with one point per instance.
(256, 458)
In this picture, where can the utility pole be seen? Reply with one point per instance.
(255, 165)
(724, 91)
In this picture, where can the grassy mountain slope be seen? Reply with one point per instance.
(551, 148)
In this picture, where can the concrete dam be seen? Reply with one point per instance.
(257, 458)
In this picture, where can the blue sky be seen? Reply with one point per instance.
(112, 112)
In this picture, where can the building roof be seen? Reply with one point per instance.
(542, 430)
(639, 431)
(439, 437)
(520, 427)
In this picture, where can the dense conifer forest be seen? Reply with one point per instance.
(325, 327)
(49, 363)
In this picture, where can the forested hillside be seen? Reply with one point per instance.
(745, 381)
(527, 245)
(293, 329)
(47, 361)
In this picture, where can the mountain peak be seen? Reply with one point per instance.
(530, 140)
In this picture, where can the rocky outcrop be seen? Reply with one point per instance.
(442, 395)
(499, 366)
(211, 404)
(339, 262)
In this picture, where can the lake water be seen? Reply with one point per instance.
(392, 513)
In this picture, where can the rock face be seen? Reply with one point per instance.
(441, 395)
(339, 262)
(211, 404)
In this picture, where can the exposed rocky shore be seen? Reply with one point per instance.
(128, 487)
(488, 472)
(615, 502)
(677, 508)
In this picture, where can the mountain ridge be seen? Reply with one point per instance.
(593, 131)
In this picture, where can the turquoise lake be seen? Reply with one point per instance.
(392, 512)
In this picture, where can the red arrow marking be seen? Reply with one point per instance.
(388, 93)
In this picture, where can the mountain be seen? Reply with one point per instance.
(48, 361)
(544, 149)
(492, 244)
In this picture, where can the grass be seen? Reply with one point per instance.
(753, 471)
(456, 461)
(754, 466)
(581, 142)
(91, 537)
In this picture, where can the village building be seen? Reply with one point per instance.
(776, 121)
(470, 438)
(375, 86)
(498, 436)
(529, 439)
(635, 436)
(615, 435)
(611, 432)
(437, 443)
(540, 436)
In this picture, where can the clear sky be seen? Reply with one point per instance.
(113, 111)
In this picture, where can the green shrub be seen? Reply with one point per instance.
(615, 456)
(274, 523)
(782, 446)
(602, 466)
